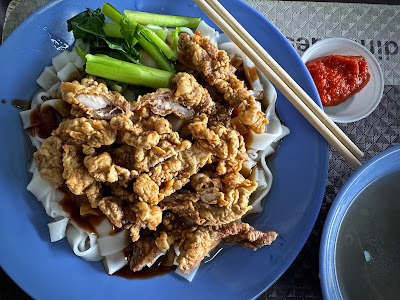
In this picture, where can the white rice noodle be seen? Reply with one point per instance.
(147, 60)
(67, 72)
(83, 243)
(57, 229)
(110, 244)
(79, 63)
(114, 262)
(208, 32)
(155, 259)
(270, 94)
(54, 91)
(61, 60)
(47, 79)
(189, 277)
(26, 118)
(104, 228)
(38, 98)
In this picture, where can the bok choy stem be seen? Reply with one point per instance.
(161, 20)
(114, 69)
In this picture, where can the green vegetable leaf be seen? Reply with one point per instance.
(129, 31)
(87, 24)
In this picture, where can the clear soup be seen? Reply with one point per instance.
(368, 244)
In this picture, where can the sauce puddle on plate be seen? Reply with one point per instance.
(368, 244)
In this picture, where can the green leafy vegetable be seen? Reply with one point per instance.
(89, 26)
(81, 52)
(175, 39)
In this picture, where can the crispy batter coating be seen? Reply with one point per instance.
(79, 131)
(131, 164)
(222, 203)
(49, 161)
(127, 215)
(215, 66)
(92, 99)
(197, 241)
(171, 175)
(77, 177)
(187, 98)
(224, 142)
(102, 169)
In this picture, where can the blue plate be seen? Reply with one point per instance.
(381, 165)
(46, 270)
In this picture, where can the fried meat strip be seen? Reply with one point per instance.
(89, 132)
(77, 177)
(224, 142)
(92, 99)
(146, 250)
(133, 216)
(149, 142)
(170, 175)
(220, 203)
(215, 67)
(197, 241)
(187, 98)
(49, 161)
(102, 168)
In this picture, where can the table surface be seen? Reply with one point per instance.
(301, 280)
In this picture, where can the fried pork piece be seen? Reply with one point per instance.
(88, 132)
(92, 99)
(133, 216)
(187, 99)
(149, 142)
(146, 250)
(77, 177)
(224, 142)
(49, 161)
(218, 201)
(103, 169)
(215, 67)
(197, 241)
(170, 175)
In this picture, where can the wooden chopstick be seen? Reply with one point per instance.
(219, 20)
(319, 113)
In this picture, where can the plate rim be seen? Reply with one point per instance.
(310, 224)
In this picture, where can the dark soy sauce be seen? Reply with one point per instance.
(368, 245)
(75, 205)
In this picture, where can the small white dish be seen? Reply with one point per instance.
(364, 102)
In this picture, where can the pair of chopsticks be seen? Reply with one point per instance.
(278, 76)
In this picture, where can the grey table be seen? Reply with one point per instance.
(373, 134)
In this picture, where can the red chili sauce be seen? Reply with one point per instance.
(337, 77)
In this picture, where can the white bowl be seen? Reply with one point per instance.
(364, 102)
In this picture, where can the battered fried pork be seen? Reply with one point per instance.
(170, 175)
(214, 65)
(49, 161)
(220, 203)
(224, 142)
(186, 99)
(82, 131)
(77, 177)
(133, 166)
(197, 241)
(92, 99)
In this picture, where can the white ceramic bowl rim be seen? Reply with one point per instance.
(379, 166)
(364, 102)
